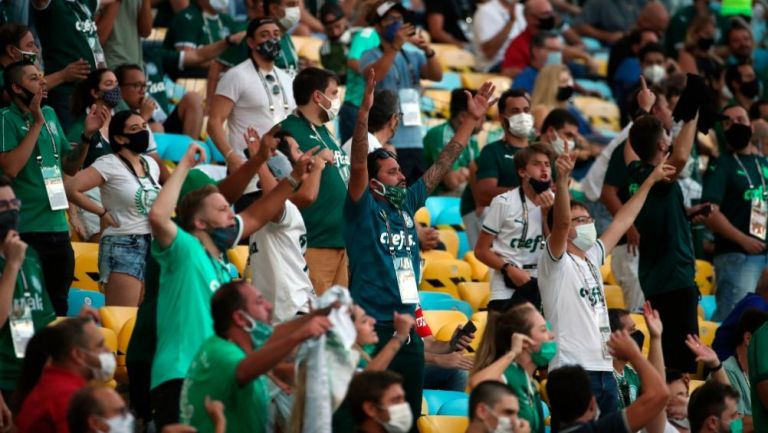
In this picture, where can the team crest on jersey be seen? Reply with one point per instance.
(151, 68)
(408, 220)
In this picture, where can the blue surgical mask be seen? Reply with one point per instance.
(391, 30)
(225, 237)
(260, 331)
(554, 58)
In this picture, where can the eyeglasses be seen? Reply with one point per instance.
(583, 220)
(8, 204)
(136, 86)
(382, 153)
(273, 81)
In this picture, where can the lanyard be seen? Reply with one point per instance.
(592, 271)
(743, 372)
(623, 385)
(525, 214)
(135, 175)
(320, 137)
(390, 242)
(290, 65)
(267, 91)
(82, 8)
(746, 173)
(39, 156)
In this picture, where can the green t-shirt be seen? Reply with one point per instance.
(758, 372)
(323, 218)
(288, 58)
(436, 139)
(67, 31)
(36, 213)
(496, 160)
(188, 278)
(212, 374)
(333, 56)
(666, 252)
(101, 149)
(738, 380)
(34, 295)
(629, 386)
(527, 396)
(362, 41)
(729, 186)
(156, 62)
(678, 27)
(192, 28)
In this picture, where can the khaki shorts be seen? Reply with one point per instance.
(327, 267)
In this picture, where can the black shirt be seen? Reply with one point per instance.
(612, 423)
(453, 12)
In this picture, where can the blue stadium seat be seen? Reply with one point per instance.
(213, 151)
(709, 304)
(436, 398)
(78, 298)
(451, 215)
(451, 80)
(447, 304)
(457, 407)
(427, 298)
(463, 243)
(172, 147)
(436, 205)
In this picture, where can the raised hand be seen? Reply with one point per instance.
(478, 104)
(370, 86)
(565, 163)
(96, 119)
(520, 342)
(147, 108)
(403, 323)
(703, 353)
(194, 155)
(623, 347)
(236, 38)
(546, 200)
(14, 249)
(77, 71)
(645, 97)
(315, 327)
(36, 108)
(663, 171)
(304, 165)
(652, 320)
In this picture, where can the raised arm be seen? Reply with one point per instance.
(708, 357)
(681, 148)
(403, 324)
(477, 106)
(625, 217)
(494, 371)
(561, 211)
(160, 216)
(14, 250)
(358, 179)
(307, 193)
(232, 186)
(95, 120)
(197, 56)
(656, 358)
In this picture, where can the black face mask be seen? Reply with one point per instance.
(750, 89)
(269, 49)
(539, 185)
(639, 338)
(705, 44)
(738, 136)
(27, 96)
(564, 93)
(9, 220)
(547, 23)
(138, 142)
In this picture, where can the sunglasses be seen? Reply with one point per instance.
(273, 81)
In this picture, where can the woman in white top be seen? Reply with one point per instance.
(129, 184)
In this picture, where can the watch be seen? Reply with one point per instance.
(92, 140)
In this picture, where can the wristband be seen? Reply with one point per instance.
(403, 340)
(717, 368)
(101, 215)
(430, 54)
(295, 184)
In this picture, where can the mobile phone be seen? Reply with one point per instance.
(467, 329)
(703, 211)
(279, 165)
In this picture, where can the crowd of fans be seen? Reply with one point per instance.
(324, 163)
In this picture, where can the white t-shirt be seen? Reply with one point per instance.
(577, 315)
(277, 266)
(505, 219)
(592, 184)
(243, 86)
(127, 198)
(373, 144)
(489, 19)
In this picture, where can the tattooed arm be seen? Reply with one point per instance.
(477, 106)
(358, 180)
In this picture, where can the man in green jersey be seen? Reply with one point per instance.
(494, 407)
(712, 408)
(191, 255)
(203, 22)
(35, 153)
(438, 136)
(232, 364)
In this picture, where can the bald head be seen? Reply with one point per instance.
(539, 14)
(653, 16)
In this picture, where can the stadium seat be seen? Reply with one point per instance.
(705, 277)
(442, 424)
(436, 398)
(445, 276)
(86, 266)
(476, 294)
(639, 320)
(457, 407)
(694, 384)
(428, 297)
(709, 304)
(454, 58)
(451, 80)
(436, 103)
(450, 239)
(450, 217)
(606, 273)
(78, 298)
(463, 243)
(437, 204)
(432, 255)
(707, 331)
(437, 319)
(614, 297)
(238, 256)
(213, 151)
(310, 50)
(110, 338)
(601, 114)
(448, 304)
(123, 339)
(172, 147)
(480, 271)
(115, 317)
(423, 217)
(424, 406)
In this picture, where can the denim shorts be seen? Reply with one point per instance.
(126, 254)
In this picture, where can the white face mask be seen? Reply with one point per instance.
(503, 425)
(291, 18)
(400, 418)
(221, 6)
(726, 92)
(554, 58)
(654, 73)
(586, 235)
(121, 424)
(520, 125)
(559, 144)
(107, 367)
(332, 112)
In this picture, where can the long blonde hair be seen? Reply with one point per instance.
(497, 338)
(546, 86)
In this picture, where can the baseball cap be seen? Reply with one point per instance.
(382, 9)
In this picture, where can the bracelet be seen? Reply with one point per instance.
(719, 366)
(295, 184)
(101, 215)
(226, 157)
(403, 340)
(430, 54)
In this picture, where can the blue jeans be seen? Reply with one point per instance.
(605, 390)
(737, 275)
(446, 379)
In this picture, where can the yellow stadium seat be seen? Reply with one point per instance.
(424, 406)
(480, 319)
(614, 297)
(157, 34)
(694, 384)
(423, 217)
(453, 57)
(606, 272)
(705, 277)
(123, 339)
(199, 85)
(115, 317)
(639, 320)
(299, 41)
(442, 100)
(442, 424)
(602, 114)
(451, 241)
(238, 256)
(445, 276)
(110, 338)
(480, 271)
(439, 319)
(700, 311)
(475, 294)
(707, 331)
(86, 266)
(436, 255)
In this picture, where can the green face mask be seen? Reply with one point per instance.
(546, 353)
(260, 331)
(737, 425)
(395, 195)
(369, 349)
